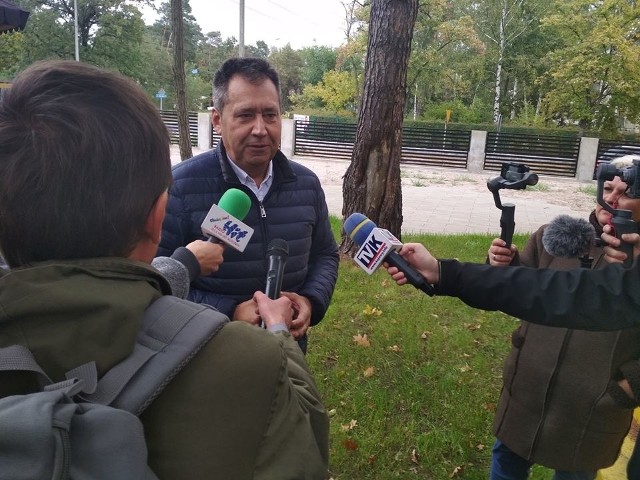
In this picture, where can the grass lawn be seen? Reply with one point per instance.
(410, 381)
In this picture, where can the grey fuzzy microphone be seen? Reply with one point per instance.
(568, 237)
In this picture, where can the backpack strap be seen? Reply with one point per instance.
(172, 332)
(18, 358)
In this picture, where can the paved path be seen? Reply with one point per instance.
(437, 200)
(449, 201)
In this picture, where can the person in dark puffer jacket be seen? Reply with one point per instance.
(287, 203)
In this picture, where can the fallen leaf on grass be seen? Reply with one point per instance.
(395, 348)
(480, 447)
(362, 340)
(456, 471)
(349, 426)
(373, 311)
(414, 456)
(425, 335)
(350, 444)
(369, 372)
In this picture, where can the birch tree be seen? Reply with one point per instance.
(501, 23)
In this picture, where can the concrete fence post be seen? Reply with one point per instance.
(475, 160)
(204, 130)
(287, 137)
(587, 159)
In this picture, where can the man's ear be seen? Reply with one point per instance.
(216, 121)
(153, 225)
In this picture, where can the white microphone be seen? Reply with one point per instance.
(223, 223)
(378, 245)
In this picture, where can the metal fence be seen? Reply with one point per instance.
(610, 149)
(422, 146)
(545, 154)
(170, 119)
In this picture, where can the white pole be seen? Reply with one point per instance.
(75, 22)
(241, 40)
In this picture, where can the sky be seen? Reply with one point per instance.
(301, 23)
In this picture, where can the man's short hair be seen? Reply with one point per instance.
(254, 70)
(84, 155)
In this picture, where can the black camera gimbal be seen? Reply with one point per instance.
(621, 220)
(514, 176)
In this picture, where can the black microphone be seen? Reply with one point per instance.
(378, 245)
(569, 237)
(277, 253)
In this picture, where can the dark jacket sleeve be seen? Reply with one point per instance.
(174, 227)
(323, 264)
(604, 299)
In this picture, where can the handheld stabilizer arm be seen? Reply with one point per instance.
(621, 220)
(513, 176)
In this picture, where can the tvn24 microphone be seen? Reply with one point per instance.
(378, 245)
(277, 253)
(223, 223)
(569, 237)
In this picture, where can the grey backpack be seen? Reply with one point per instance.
(88, 429)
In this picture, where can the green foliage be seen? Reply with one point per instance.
(161, 29)
(288, 63)
(595, 76)
(410, 381)
(335, 93)
(477, 112)
(317, 61)
(11, 46)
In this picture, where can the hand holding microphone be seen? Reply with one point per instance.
(223, 224)
(378, 245)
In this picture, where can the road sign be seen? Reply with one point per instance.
(161, 93)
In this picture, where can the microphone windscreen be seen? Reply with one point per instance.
(278, 247)
(358, 227)
(568, 237)
(235, 202)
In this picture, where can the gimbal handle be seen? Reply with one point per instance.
(621, 220)
(512, 181)
(507, 223)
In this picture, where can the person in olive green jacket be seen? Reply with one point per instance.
(84, 172)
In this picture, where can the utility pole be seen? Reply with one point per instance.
(241, 44)
(75, 28)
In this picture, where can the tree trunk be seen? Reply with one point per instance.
(177, 29)
(372, 183)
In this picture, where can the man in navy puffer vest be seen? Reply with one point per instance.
(287, 203)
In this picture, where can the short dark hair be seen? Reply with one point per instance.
(254, 70)
(84, 155)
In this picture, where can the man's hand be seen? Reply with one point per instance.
(247, 312)
(612, 255)
(499, 255)
(208, 254)
(273, 312)
(301, 314)
(419, 258)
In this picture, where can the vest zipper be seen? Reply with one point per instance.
(62, 455)
(263, 212)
